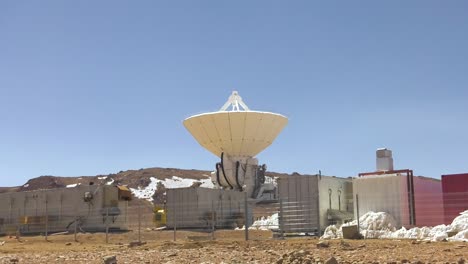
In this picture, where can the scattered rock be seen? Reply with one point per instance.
(331, 260)
(136, 244)
(461, 261)
(173, 254)
(344, 244)
(14, 260)
(323, 244)
(68, 244)
(271, 252)
(110, 260)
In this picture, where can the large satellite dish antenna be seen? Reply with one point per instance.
(235, 129)
(236, 134)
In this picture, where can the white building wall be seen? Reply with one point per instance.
(382, 193)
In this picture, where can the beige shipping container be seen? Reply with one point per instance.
(89, 206)
(309, 203)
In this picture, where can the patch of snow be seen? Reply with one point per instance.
(460, 223)
(26, 185)
(377, 221)
(207, 183)
(382, 225)
(73, 185)
(332, 232)
(169, 183)
(266, 223)
(110, 182)
(102, 178)
(460, 236)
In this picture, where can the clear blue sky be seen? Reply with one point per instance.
(95, 87)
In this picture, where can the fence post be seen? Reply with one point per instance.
(18, 233)
(246, 213)
(319, 227)
(18, 229)
(357, 212)
(46, 219)
(139, 224)
(281, 218)
(126, 213)
(174, 219)
(212, 221)
(107, 225)
(76, 227)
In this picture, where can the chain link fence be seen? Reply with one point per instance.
(245, 220)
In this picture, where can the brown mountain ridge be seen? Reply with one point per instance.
(130, 178)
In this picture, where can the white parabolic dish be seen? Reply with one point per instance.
(239, 133)
(236, 133)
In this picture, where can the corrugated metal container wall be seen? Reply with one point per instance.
(428, 201)
(192, 207)
(299, 197)
(383, 193)
(389, 193)
(335, 200)
(455, 195)
(64, 206)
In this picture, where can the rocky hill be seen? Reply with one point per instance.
(131, 178)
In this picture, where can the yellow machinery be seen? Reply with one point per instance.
(159, 216)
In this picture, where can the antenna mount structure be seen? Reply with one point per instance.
(235, 101)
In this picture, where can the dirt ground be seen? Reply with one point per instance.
(228, 247)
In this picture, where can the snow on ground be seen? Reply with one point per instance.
(73, 185)
(266, 223)
(102, 178)
(170, 183)
(383, 225)
(26, 185)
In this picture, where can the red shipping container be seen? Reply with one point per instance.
(455, 192)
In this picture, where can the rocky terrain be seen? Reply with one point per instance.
(228, 247)
(130, 178)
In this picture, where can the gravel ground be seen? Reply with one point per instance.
(228, 247)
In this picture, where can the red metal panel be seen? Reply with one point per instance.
(455, 190)
(428, 200)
